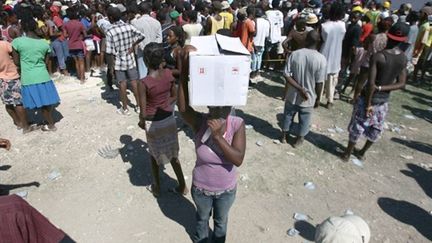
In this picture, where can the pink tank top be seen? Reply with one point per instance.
(212, 171)
(5, 34)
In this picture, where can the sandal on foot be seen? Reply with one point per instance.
(46, 128)
(32, 127)
(150, 189)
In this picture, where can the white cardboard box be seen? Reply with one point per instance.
(218, 71)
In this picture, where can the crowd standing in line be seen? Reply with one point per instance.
(322, 47)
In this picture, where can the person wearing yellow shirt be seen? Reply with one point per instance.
(227, 15)
(422, 47)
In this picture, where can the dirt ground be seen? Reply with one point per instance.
(96, 199)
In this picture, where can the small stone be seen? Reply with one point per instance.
(290, 195)
(259, 143)
(320, 172)
(290, 153)
(372, 191)
(244, 177)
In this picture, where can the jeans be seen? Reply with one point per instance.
(142, 68)
(220, 204)
(257, 58)
(61, 51)
(305, 114)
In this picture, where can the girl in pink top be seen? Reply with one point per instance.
(220, 144)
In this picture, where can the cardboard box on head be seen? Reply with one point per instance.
(218, 71)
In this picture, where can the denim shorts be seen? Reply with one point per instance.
(79, 53)
(126, 75)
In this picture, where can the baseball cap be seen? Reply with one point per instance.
(358, 9)
(347, 228)
(399, 32)
(174, 14)
(225, 5)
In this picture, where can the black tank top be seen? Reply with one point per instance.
(387, 75)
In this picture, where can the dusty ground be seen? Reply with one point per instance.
(105, 200)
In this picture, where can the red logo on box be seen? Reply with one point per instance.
(235, 70)
(201, 70)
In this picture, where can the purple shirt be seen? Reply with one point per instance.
(74, 29)
(212, 171)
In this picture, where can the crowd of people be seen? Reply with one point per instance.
(320, 47)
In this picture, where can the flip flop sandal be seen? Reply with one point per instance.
(150, 189)
(32, 127)
(46, 128)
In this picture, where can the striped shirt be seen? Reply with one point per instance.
(119, 39)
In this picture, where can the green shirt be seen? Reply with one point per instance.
(32, 59)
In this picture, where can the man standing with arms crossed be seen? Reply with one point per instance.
(305, 72)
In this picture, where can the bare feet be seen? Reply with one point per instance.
(31, 128)
(329, 105)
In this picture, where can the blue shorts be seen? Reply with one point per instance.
(79, 53)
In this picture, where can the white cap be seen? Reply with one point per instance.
(348, 228)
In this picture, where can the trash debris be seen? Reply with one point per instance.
(406, 156)
(244, 177)
(276, 141)
(249, 127)
(349, 212)
(290, 153)
(413, 128)
(54, 175)
(430, 109)
(130, 127)
(411, 117)
(108, 153)
(293, 232)
(309, 185)
(92, 99)
(301, 217)
(372, 191)
(339, 150)
(403, 137)
(395, 129)
(22, 194)
(320, 172)
(339, 130)
(259, 143)
(331, 130)
(426, 166)
(290, 194)
(357, 162)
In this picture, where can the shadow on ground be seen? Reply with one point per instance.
(422, 176)
(420, 113)
(6, 188)
(325, 143)
(261, 126)
(306, 229)
(409, 214)
(416, 145)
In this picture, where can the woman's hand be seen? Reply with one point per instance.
(216, 127)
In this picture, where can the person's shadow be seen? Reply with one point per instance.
(422, 176)
(419, 146)
(408, 213)
(325, 143)
(6, 188)
(306, 229)
(261, 126)
(172, 205)
(135, 152)
(175, 206)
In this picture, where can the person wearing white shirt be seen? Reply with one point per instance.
(262, 33)
(333, 33)
(275, 17)
(151, 29)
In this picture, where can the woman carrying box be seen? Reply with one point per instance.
(220, 144)
(157, 94)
